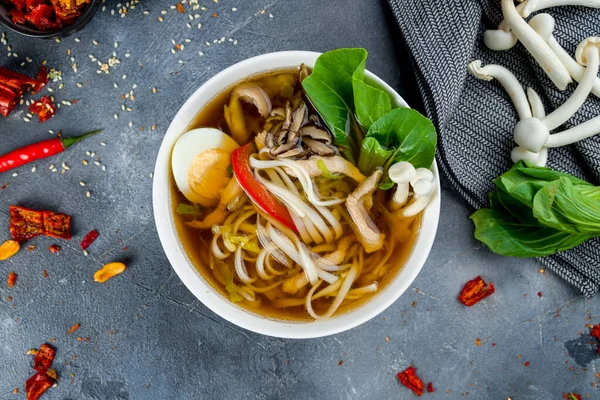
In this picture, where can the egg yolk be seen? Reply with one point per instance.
(208, 175)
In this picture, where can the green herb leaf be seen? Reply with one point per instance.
(514, 238)
(325, 172)
(408, 132)
(370, 103)
(330, 89)
(188, 209)
(561, 205)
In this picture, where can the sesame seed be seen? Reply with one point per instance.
(82, 183)
(33, 169)
(116, 116)
(95, 42)
(77, 40)
(130, 124)
(104, 168)
(85, 253)
(15, 174)
(65, 166)
(87, 153)
(88, 194)
(51, 166)
(97, 162)
(84, 162)
(234, 9)
(26, 119)
(160, 19)
(102, 144)
(124, 77)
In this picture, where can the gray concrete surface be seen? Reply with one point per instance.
(149, 338)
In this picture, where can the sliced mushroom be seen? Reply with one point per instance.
(314, 132)
(364, 228)
(296, 152)
(299, 117)
(255, 95)
(319, 148)
(303, 73)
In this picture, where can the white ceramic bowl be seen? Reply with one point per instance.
(192, 278)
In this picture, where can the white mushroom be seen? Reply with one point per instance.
(255, 95)
(508, 82)
(537, 106)
(544, 24)
(422, 185)
(536, 46)
(503, 39)
(401, 173)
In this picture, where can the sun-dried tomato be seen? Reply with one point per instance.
(430, 388)
(57, 225)
(17, 16)
(12, 278)
(595, 332)
(31, 4)
(19, 4)
(474, 291)
(44, 18)
(37, 385)
(409, 378)
(88, 239)
(25, 223)
(44, 357)
(43, 108)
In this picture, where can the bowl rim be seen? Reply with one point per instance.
(68, 30)
(192, 278)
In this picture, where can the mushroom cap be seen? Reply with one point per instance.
(580, 53)
(543, 24)
(531, 134)
(520, 154)
(422, 174)
(498, 39)
(402, 172)
(423, 187)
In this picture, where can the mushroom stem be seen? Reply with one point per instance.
(536, 46)
(537, 107)
(575, 134)
(572, 66)
(574, 103)
(503, 39)
(508, 81)
(543, 24)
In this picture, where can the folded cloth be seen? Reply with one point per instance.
(475, 118)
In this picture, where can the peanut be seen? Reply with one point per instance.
(9, 249)
(108, 271)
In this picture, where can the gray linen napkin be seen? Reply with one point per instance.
(475, 118)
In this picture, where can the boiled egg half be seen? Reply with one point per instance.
(200, 161)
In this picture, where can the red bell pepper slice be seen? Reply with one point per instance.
(240, 163)
(474, 291)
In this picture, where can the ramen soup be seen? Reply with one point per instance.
(298, 193)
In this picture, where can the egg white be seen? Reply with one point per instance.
(187, 148)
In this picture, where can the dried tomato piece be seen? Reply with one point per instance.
(57, 225)
(31, 4)
(89, 239)
(44, 357)
(17, 16)
(19, 4)
(25, 223)
(37, 385)
(44, 108)
(12, 278)
(43, 17)
(474, 291)
(409, 378)
(66, 9)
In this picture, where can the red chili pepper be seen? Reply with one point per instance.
(44, 357)
(38, 150)
(240, 164)
(88, 239)
(474, 291)
(44, 108)
(37, 385)
(13, 85)
(595, 332)
(409, 378)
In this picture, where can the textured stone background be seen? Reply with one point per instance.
(148, 336)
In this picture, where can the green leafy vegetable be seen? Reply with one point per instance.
(370, 103)
(372, 155)
(330, 89)
(536, 211)
(410, 134)
(325, 172)
(188, 209)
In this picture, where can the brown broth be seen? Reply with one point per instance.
(195, 242)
